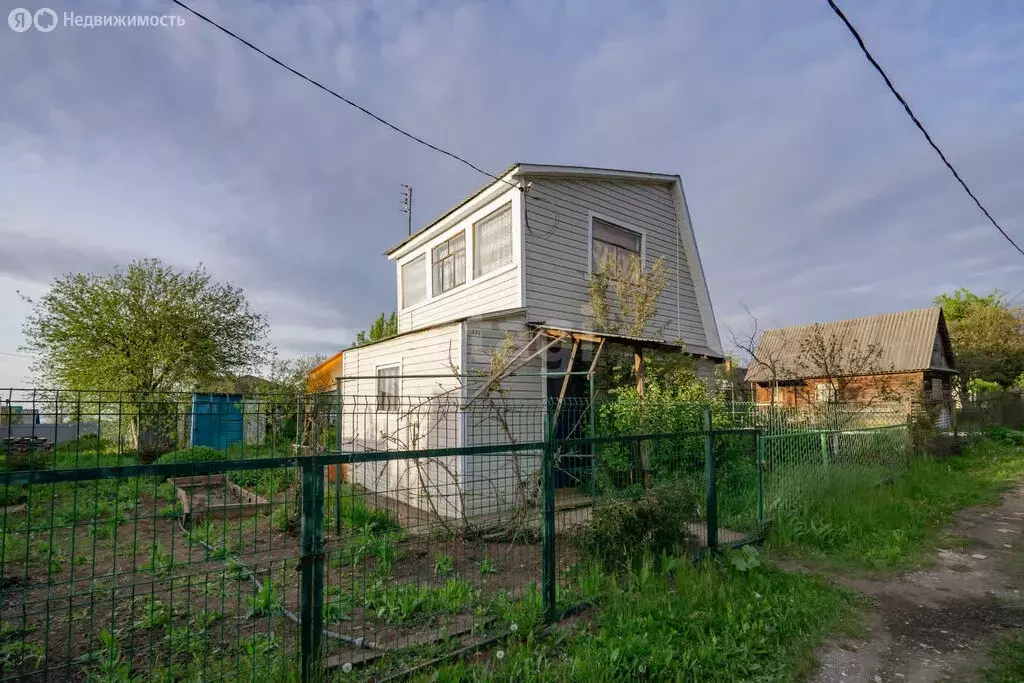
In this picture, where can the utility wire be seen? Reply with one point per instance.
(920, 126)
(338, 95)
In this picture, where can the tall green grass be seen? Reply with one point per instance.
(873, 519)
(706, 623)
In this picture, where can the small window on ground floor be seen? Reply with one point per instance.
(937, 388)
(388, 389)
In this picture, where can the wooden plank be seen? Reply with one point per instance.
(565, 384)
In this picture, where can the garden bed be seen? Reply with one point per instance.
(214, 497)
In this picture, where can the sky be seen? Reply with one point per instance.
(812, 195)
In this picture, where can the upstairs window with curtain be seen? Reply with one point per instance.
(614, 244)
(492, 241)
(448, 263)
(414, 281)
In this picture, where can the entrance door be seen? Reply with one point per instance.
(573, 422)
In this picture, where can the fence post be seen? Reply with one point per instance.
(547, 483)
(311, 565)
(759, 448)
(711, 486)
(337, 465)
(824, 448)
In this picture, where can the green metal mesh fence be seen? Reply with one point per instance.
(275, 537)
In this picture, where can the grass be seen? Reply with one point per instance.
(853, 518)
(675, 621)
(1005, 659)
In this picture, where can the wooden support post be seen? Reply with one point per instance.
(638, 373)
(565, 384)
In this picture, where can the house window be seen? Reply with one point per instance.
(825, 392)
(779, 395)
(492, 242)
(610, 243)
(414, 281)
(388, 391)
(937, 388)
(448, 261)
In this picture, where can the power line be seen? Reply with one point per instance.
(16, 355)
(920, 126)
(338, 95)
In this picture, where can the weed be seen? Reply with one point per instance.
(154, 614)
(15, 653)
(397, 604)
(443, 564)
(370, 543)
(849, 517)
(237, 570)
(486, 566)
(1005, 659)
(266, 602)
(110, 664)
(744, 560)
(334, 610)
(159, 561)
(172, 511)
(285, 518)
(52, 556)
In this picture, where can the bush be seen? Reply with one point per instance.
(194, 454)
(1010, 437)
(655, 522)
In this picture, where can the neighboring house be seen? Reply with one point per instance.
(324, 376)
(505, 274)
(914, 360)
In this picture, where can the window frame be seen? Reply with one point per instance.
(425, 275)
(591, 216)
(450, 255)
(384, 402)
(506, 207)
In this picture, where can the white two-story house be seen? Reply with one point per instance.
(508, 269)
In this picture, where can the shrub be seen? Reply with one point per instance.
(656, 522)
(194, 454)
(1010, 437)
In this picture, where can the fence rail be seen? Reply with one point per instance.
(341, 532)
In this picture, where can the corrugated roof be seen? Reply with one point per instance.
(905, 339)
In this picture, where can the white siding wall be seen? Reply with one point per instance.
(427, 417)
(497, 291)
(513, 415)
(557, 251)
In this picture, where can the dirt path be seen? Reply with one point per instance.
(930, 625)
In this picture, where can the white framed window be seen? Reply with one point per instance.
(610, 242)
(825, 392)
(779, 395)
(414, 281)
(937, 388)
(492, 241)
(388, 388)
(448, 263)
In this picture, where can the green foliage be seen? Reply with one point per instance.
(744, 560)
(336, 608)
(383, 327)
(986, 334)
(190, 455)
(443, 564)
(655, 522)
(706, 623)
(159, 561)
(238, 570)
(268, 482)
(171, 511)
(400, 603)
(285, 518)
(381, 546)
(266, 602)
(1011, 437)
(863, 517)
(15, 653)
(1005, 659)
(110, 665)
(355, 513)
(486, 566)
(154, 613)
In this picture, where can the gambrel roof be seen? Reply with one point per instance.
(905, 340)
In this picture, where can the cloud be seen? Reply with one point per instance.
(811, 193)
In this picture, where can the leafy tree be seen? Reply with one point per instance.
(986, 333)
(141, 331)
(383, 327)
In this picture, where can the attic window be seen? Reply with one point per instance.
(448, 263)
(612, 243)
(492, 241)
